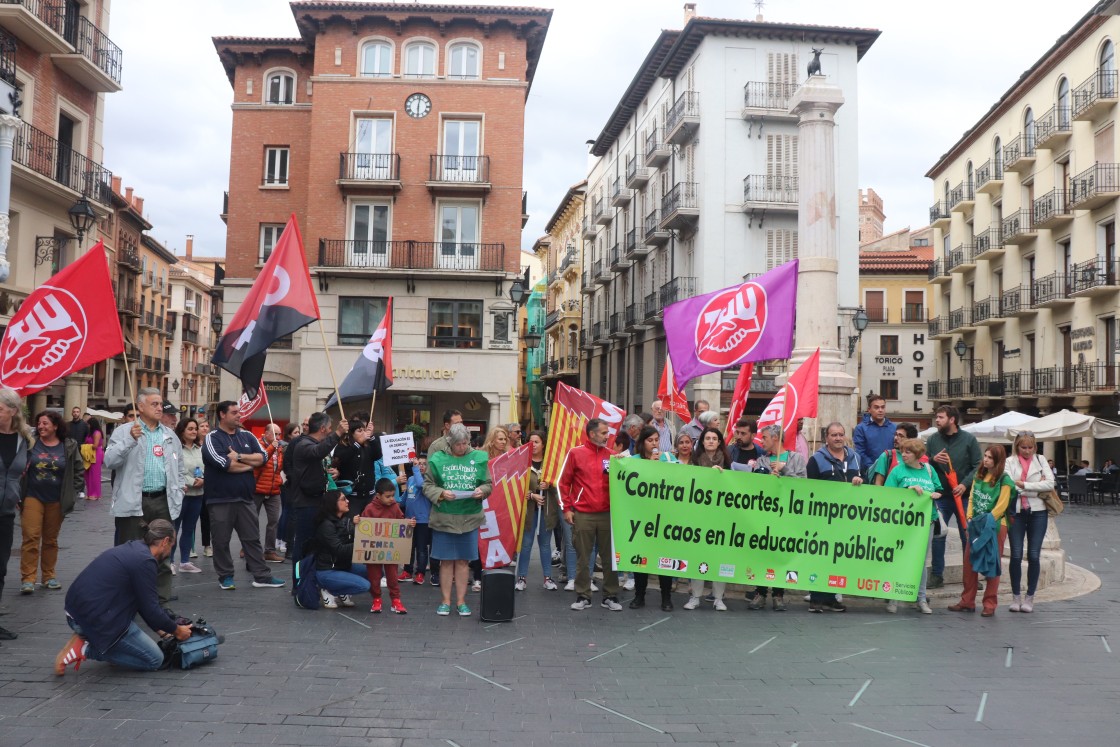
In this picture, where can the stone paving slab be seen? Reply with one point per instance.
(288, 676)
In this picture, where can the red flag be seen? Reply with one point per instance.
(739, 398)
(672, 399)
(500, 537)
(247, 405)
(280, 302)
(373, 371)
(571, 409)
(796, 399)
(64, 325)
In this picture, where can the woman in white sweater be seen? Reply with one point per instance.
(1027, 516)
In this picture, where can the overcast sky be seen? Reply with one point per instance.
(934, 71)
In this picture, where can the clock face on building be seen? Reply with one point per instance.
(417, 105)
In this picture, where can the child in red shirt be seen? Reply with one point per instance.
(384, 506)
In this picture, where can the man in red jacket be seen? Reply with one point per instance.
(267, 492)
(586, 499)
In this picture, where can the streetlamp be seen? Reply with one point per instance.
(960, 349)
(82, 217)
(216, 325)
(859, 321)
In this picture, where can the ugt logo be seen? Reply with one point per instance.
(50, 338)
(731, 324)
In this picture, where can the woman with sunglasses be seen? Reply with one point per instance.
(1027, 516)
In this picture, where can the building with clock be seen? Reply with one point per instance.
(395, 135)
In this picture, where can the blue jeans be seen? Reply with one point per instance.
(285, 510)
(188, 519)
(1033, 527)
(343, 583)
(947, 505)
(421, 549)
(134, 649)
(544, 545)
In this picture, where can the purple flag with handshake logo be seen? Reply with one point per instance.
(740, 324)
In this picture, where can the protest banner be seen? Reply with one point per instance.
(397, 448)
(500, 537)
(382, 541)
(746, 528)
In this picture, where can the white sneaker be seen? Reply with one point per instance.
(692, 603)
(571, 585)
(174, 568)
(208, 551)
(346, 601)
(594, 586)
(628, 586)
(330, 601)
(281, 546)
(520, 585)
(720, 606)
(892, 607)
(582, 603)
(194, 553)
(923, 607)
(550, 584)
(610, 603)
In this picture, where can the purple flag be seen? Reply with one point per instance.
(740, 324)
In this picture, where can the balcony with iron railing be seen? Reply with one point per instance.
(128, 304)
(962, 258)
(599, 212)
(1094, 277)
(654, 234)
(679, 207)
(770, 193)
(770, 100)
(989, 177)
(1018, 227)
(1051, 291)
(657, 149)
(634, 316)
(97, 64)
(960, 318)
(600, 334)
(8, 59)
(617, 325)
(586, 286)
(1095, 186)
(1095, 95)
(40, 155)
(913, 313)
(146, 278)
(38, 24)
(618, 258)
(376, 171)
(652, 305)
(600, 273)
(1019, 153)
(683, 119)
(620, 193)
(877, 314)
(1053, 129)
(435, 257)
(1052, 209)
(988, 243)
(637, 176)
(1015, 302)
(938, 326)
(589, 228)
(448, 173)
(962, 197)
(551, 319)
(939, 214)
(985, 312)
(677, 289)
(938, 271)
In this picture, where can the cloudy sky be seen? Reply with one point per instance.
(928, 78)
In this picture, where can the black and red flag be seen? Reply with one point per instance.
(373, 371)
(62, 326)
(280, 302)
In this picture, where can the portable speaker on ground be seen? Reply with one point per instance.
(497, 595)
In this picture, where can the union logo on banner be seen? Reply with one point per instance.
(246, 406)
(730, 325)
(52, 336)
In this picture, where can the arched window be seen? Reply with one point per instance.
(998, 158)
(946, 195)
(1107, 73)
(463, 61)
(420, 60)
(968, 181)
(1028, 132)
(280, 88)
(377, 59)
(1063, 104)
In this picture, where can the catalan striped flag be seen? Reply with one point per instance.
(571, 409)
(500, 538)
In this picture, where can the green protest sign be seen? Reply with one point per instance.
(745, 528)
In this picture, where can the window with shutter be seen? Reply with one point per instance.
(781, 68)
(781, 247)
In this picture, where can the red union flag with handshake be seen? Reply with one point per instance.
(571, 409)
(796, 399)
(66, 324)
(748, 322)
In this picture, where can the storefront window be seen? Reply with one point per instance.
(455, 324)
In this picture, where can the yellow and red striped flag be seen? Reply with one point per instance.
(500, 537)
(571, 409)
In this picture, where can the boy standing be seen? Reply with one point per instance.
(384, 506)
(416, 506)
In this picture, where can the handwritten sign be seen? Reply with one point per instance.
(382, 541)
(397, 448)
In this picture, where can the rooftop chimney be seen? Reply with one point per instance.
(190, 245)
(689, 12)
(117, 184)
(128, 195)
(138, 205)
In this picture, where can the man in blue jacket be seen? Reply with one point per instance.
(874, 435)
(107, 595)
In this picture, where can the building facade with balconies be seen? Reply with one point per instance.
(695, 187)
(156, 326)
(1026, 276)
(62, 63)
(194, 380)
(563, 327)
(395, 134)
(895, 349)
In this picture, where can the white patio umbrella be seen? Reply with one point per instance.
(992, 429)
(1063, 425)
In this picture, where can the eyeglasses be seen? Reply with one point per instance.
(1027, 433)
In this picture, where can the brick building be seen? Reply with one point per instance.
(395, 134)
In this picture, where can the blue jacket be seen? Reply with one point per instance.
(983, 539)
(871, 440)
(823, 466)
(416, 504)
(105, 597)
(221, 485)
(380, 471)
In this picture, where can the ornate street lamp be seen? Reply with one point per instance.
(82, 217)
(859, 321)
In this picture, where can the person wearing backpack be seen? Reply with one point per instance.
(920, 477)
(339, 579)
(891, 458)
(304, 471)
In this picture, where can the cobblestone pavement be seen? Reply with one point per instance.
(553, 676)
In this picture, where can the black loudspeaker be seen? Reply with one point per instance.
(497, 595)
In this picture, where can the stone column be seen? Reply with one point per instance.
(815, 104)
(8, 125)
(77, 388)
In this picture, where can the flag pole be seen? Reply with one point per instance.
(371, 404)
(268, 407)
(128, 371)
(330, 365)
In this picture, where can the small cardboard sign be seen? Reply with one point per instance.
(382, 541)
(397, 448)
